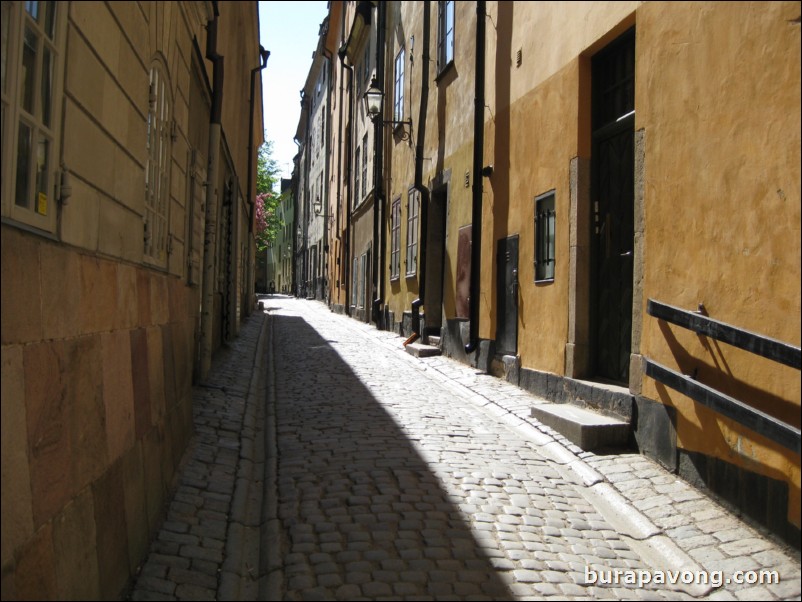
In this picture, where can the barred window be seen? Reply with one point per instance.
(544, 237)
(157, 170)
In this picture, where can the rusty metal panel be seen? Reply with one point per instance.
(463, 272)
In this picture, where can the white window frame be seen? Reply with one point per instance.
(364, 166)
(357, 171)
(398, 97)
(39, 207)
(364, 279)
(446, 20)
(413, 223)
(156, 219)
(355, 282)
(395, 240)
(366, 64)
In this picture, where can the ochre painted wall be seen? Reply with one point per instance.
(536, 137)
(448, 141)
(718, 96)
(717, 113)
(537, 121)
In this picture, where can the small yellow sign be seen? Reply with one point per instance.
(41, 206)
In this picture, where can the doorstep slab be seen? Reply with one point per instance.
(585, 428)
(421, 350)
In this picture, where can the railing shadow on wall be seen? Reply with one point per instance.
(762, 423)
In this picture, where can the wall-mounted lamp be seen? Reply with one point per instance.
(373, 106)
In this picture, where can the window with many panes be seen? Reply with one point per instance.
(355, 282)
(364, 166)
(413, 210)
(395, 240)
(445, 34)
(157, 170)
(364, 280)
(32, 58)
(398, 98)
(357, 171)
(544, 236)
(366, 64)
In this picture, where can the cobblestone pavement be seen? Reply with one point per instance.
(208, 546)
(406, 478)
(393, 477)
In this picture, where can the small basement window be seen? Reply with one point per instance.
(544, 237)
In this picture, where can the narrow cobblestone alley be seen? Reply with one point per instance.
(393, 477)
(399, 480)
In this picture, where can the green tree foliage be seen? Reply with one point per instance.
(268, 198)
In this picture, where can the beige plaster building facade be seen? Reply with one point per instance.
(277, 266)
(127, 258)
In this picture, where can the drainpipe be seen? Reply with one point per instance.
(424, 192)
(263, 55)
(347, 245)
(310, 277)
(478, 148)
(327, 284)
(379, 257)
(295, 219)
(210, 238)
(340, 171)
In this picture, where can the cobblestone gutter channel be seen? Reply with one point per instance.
(208, 546)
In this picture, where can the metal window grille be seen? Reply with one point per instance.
(545, 219)
(157, 169)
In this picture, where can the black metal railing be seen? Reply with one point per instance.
(783, 433)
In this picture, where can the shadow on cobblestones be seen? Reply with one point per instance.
(363, 514)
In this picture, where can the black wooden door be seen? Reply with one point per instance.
(614, 246)
(613, 197)
(507, 290)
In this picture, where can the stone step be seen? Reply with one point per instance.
(585, 428)
(421, 350)
(434, 340)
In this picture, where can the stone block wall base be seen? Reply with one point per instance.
(753, 497)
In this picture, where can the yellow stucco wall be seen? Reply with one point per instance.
(448, 139)
(717, 105)
(722, 210)
(535, 126)
(537, 138)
